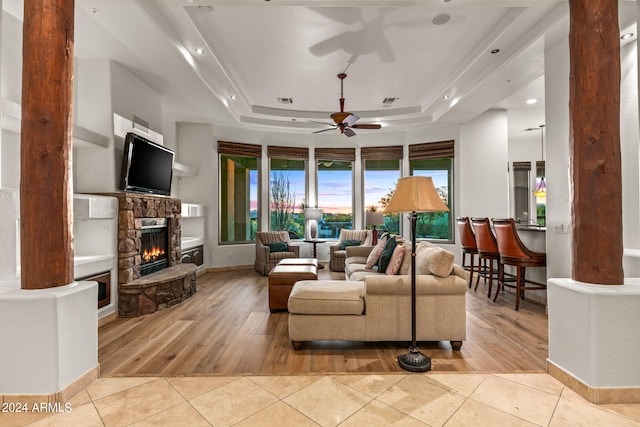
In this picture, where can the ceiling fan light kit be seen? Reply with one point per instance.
(345, 121)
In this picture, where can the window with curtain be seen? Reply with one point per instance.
(335, 190)
(287, 188)
(381, 166)
(239, 184)
(435, 159)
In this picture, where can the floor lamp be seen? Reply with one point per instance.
(415, 194)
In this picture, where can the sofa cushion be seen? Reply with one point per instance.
(385, 255)
(431, 259)
(361, 275)
(350, 242)
(396, 260)
(327, 297)
(374, 255)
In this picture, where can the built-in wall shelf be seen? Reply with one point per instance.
(193, 229)
(180, 169)
(82, 137)
(95, 233)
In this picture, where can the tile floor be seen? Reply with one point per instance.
(429, 399)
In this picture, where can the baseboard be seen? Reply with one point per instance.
(106, 319)
(598, 395)
(57, 399)
(230, 268)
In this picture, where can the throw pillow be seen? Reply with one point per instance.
(406, 260)
(374, 255)
(434, 260)
(345, 243)
(385, 256)
(278, 247)
(396, 260)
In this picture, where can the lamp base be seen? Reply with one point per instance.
(414, 361)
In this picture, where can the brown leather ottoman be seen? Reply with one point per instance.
(281, 280)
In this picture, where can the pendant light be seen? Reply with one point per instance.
(541, 188)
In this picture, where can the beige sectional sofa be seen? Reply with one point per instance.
(374, 306)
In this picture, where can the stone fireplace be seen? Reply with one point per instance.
(150, 274)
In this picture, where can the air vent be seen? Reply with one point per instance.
(389, 101)
(285, 100)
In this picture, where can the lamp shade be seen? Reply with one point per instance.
(313, 213)
(416, 194)
(374, 218)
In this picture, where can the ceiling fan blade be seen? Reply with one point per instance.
(351, 119)
(367, 126)
(321, 123)
(323, 130)
(349, 132)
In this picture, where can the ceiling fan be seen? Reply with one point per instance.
(346, 121)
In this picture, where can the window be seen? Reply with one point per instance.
(521, 192)
(435, 159)
(287, 189)
(238, 191)
(335, 190)
(381, 173)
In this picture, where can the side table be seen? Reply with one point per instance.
(315, 242)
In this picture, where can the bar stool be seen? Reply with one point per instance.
(514, 252)
(487, 251)
(468, 244)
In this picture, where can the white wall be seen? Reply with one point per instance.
(557, 164)
(482, 171)
(94, 168)
(629, 127)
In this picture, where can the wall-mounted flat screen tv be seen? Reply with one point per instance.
(146, 166)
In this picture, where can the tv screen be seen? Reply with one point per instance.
(146, 166)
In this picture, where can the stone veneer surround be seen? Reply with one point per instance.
(161, 289)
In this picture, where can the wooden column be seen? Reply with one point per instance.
(594, 102)
(46, 214)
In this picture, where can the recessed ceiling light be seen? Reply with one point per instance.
(494, 51)
(233, 97)
(532, 101)
(441, 19)
(199, 50)
(94, 10)
(626, 36)
(445, 96)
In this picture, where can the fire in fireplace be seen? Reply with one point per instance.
(154, 245)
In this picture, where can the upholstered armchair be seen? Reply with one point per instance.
(338, 252)
(270, 249)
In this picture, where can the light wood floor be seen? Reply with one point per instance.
(226, 328)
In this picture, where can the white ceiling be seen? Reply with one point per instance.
(258, 51)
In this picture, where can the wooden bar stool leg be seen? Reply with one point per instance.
(490, 277)
(524, 282)
(500, 280)
(471, 269)
(519, 286)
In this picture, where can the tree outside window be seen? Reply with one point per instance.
(287, 195)
(380, 179)
(435, 225)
